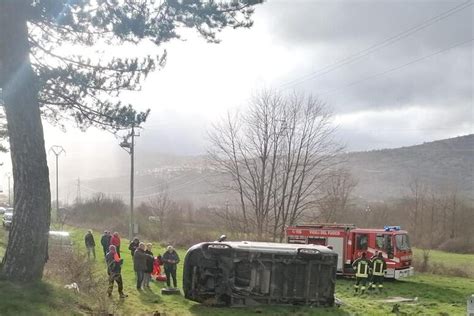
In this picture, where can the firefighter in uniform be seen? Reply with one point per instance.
(371, 275)
(362, 267)
(378, 269)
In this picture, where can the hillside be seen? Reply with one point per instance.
(381, 174)
(445, 164)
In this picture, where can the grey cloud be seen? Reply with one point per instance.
(442, 80)
(330, 30)
(406, 128)
(303, 22)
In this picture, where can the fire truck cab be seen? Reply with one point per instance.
(350, 242)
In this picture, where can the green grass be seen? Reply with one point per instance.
(437, 295)
(463, 262)
(37, 299)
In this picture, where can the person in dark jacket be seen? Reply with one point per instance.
(170, 261)
(105, 241)
(114, 270)
(150, 260)
(133, 245)
(379, 266)
(90, 244)
(371, 275)
(362, 271)
(139, 264)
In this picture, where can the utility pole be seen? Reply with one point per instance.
(132, 181)
(129, 146)
(57, 150)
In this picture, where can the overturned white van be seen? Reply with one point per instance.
(250, 273)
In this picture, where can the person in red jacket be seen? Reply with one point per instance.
(115, 240)
(157, 273)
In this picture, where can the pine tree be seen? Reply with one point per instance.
(39, 80)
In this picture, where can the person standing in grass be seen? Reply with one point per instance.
(105, 241)
(170, 261)
(371, 275)
(114, 270)
(90, 244)
(139, 264)
(378, 270)
(115, 240)
(362, 267)
(133, 245)
(150, 260)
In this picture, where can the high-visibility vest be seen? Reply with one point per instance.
(378, 267)
(362, 269)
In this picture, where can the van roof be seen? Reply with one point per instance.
(269, 247)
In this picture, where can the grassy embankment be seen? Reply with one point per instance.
(437, 295)
(45, 298)
(448, 261)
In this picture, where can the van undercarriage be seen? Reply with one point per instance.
(221, 274)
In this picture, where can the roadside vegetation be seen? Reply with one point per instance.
(44, 298)
(445, 263)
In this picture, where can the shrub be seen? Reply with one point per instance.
(66, 266)
(99, 207)
(93, 212)
(187, 238)
(459, 245)
(438, 268)
(441, 269)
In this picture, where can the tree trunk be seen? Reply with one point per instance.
(27, 249)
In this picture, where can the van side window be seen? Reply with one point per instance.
(362, 241)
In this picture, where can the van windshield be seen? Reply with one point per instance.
(402, 242)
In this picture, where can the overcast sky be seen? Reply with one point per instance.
(395, 73)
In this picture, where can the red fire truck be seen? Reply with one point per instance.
(350, 242)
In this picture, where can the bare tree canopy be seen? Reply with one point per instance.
(161, 207)
(334, 195)
(276, 153)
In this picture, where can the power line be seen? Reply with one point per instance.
(384, 43)
(396, 68)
